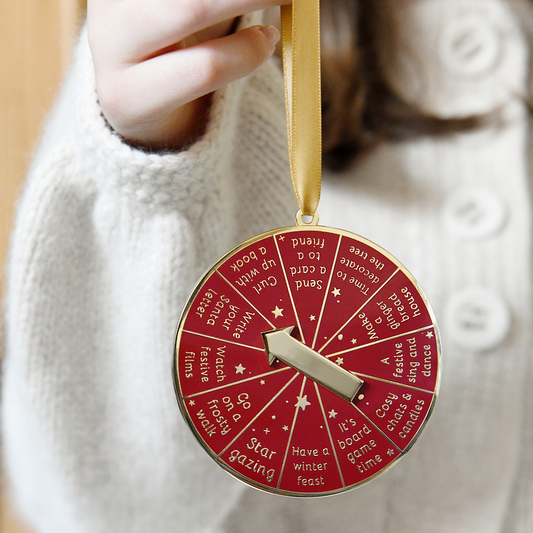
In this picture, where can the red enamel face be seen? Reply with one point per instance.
(307, 361)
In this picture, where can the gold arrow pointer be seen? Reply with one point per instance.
(280, 345)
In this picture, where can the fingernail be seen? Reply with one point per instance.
(271, 33)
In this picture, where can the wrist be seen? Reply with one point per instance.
(175, 133)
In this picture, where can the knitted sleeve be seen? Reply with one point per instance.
(107, 246)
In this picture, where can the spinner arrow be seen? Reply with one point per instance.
(280, 345)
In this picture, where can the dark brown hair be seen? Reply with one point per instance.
(360, 108)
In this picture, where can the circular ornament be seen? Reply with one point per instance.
(307, 361)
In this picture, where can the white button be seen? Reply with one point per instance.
(470, 45)
(477, 318)
(474, 213)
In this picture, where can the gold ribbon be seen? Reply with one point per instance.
(300, 32)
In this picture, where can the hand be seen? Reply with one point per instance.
(158, 61)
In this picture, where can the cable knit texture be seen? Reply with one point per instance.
(110, 240)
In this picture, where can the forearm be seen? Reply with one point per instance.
(109, 241)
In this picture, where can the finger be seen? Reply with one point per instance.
(142, 27)
(155, 88)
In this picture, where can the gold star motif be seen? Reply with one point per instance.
(239, 369)
(336, 292)
(302, 402)
(277, 312)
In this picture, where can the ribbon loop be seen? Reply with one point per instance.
(300, 30)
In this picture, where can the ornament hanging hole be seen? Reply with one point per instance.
(306, 220)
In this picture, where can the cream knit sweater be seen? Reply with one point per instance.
(109, 242)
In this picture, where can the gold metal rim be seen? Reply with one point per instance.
(179, 330)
